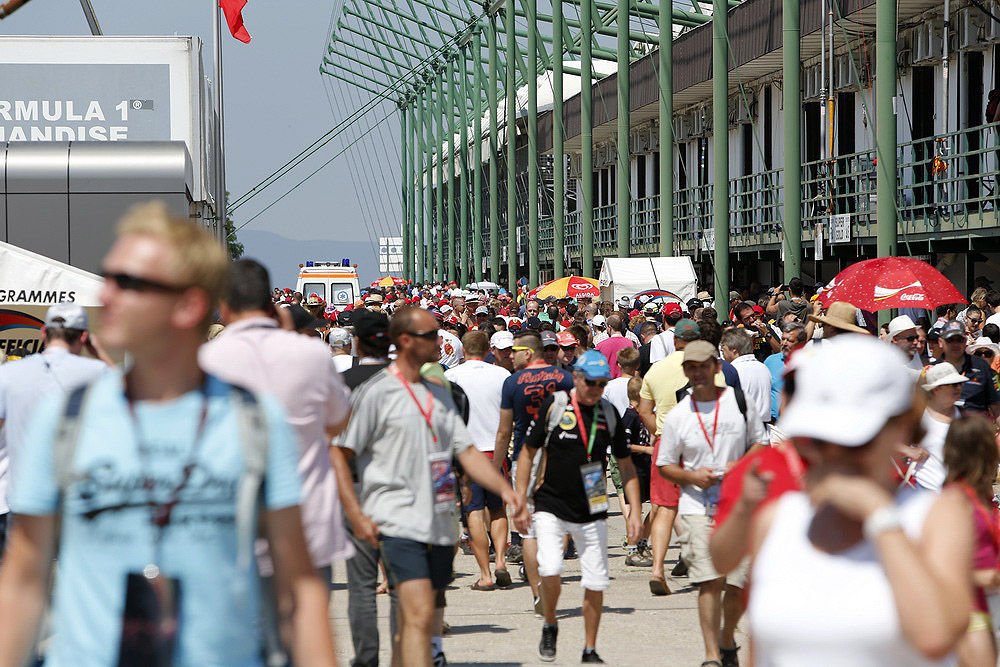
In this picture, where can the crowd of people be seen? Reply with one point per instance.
(196, 499)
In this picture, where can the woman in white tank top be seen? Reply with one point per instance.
(846, 573)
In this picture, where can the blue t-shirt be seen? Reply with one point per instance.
(524, 392)
(106, 531)
(776, 364)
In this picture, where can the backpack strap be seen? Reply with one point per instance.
(560, 400)
(250, 492)
(741, 400)
(67, 437)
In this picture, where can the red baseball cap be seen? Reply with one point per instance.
(565, 339)
(672, 308)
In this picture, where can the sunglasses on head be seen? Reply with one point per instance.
(126, 281)
(426, 335)
(521, 348)
(596, 383)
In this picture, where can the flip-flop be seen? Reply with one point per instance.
(711, 663)
(478, 587)
(658, 586)
(502, 578)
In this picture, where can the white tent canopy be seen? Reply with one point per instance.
(29, 279)
(629, 276)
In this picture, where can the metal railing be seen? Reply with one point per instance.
(947, 182)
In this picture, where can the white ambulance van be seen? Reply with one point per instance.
(334, 282)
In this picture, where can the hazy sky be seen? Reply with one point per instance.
(276, 105)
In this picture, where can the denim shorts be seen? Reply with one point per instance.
(406, 560)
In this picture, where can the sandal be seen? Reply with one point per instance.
(730, 656)
(479, 587)
(711, 663)
(658, 586)
(502, 577)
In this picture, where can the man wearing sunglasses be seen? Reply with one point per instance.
(522, 397)
(903, 334)
(576, 430)
(144, 493)
(979, 394)
(404, 434)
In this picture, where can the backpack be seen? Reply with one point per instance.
(560, 400)
(249, 492)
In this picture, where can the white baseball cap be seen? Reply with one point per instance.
(599, 321)
(847, 390)
(67, 315)
(941, 374)
(900, 324)
(502, 340)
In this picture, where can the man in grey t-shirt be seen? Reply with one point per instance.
(404, 433)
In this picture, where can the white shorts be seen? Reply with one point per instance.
(591, 541)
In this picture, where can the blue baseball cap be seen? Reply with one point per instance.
(593, 365)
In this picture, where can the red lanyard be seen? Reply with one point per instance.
(715, 426)
(588, 442)
(425, 413)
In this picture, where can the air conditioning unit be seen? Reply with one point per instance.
(845, 76)
(700, 123)
(575, 165)
(813, 84)
(743, 110)
(927, 43)
(971, 26)
(682, 128)
(991, 31)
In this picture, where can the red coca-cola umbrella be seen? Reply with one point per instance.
(891, 282)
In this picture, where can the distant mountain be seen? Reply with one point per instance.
(282, 255)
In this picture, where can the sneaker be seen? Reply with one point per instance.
(638, 559)
(570, 553)
(590, 656)
(523, 573)
(680, 570)
(514, 554)
(439, 660)
(466, 545)
(547, 647)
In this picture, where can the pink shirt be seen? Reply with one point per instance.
(610, 347)
(298, 371)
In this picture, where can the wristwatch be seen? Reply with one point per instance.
(883, 519)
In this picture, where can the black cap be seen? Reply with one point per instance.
(369, 325)
(533, 323)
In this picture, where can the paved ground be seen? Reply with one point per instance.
(499, 628)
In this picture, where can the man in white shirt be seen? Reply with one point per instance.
(701, 437)
(483, 384)
(662, 345)
(755, 378)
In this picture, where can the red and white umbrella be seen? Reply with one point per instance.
(891, 282)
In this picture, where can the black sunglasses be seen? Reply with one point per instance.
(910, 339)
(426, 335)
(596, 383)
(126, 281)
(984, 353)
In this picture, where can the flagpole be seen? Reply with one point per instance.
(220, 137)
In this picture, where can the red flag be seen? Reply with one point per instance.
(233, 9)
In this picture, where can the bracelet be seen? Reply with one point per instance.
(881, 520)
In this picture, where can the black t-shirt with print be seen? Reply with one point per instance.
(562, 491)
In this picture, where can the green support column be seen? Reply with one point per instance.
(452, 246)
(417, 202)
(421, 170)
(885, 125)
(463, 165)
(587, 139)
(439, 273)
(531, 11)
(665, 78)
(791, 102)
(404, 181)
(477, 163)
(511, 129)
(494, 196)
(623, 166)
(558, 159)
(720, 147)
